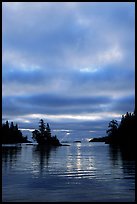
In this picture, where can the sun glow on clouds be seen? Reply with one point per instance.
(62, 130)
(61, 117)
(87, 69)
(27, 129)
(82, 117)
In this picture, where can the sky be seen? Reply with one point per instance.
(69, 63)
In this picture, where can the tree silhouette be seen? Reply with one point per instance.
(7, 125)
(43, 135)
(12, 126)
(113, 126)
(11, 134)
(42, 127)
(48, 131)
(123, 134)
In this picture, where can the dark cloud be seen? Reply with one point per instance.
(52, 104)
(124, 104)
(77, 82)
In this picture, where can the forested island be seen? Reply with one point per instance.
(43, 135)
(122, 134)
(11, 134)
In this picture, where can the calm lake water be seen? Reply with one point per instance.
(81, 172)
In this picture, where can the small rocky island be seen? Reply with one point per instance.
(43, 135)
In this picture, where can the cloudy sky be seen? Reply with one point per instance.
(72, 64)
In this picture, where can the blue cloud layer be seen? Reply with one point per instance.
(68, 58)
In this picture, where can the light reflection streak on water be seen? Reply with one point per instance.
(78, 165)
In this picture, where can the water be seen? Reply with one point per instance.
(81, 172)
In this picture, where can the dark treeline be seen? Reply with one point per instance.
(11, 134)
(124, 133)
(43, 135)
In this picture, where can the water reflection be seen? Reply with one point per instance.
(78, 157)
(10, 155)
(79, 162)
(74, 158)
(57, 174)
(125, 157)
(41, 157)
